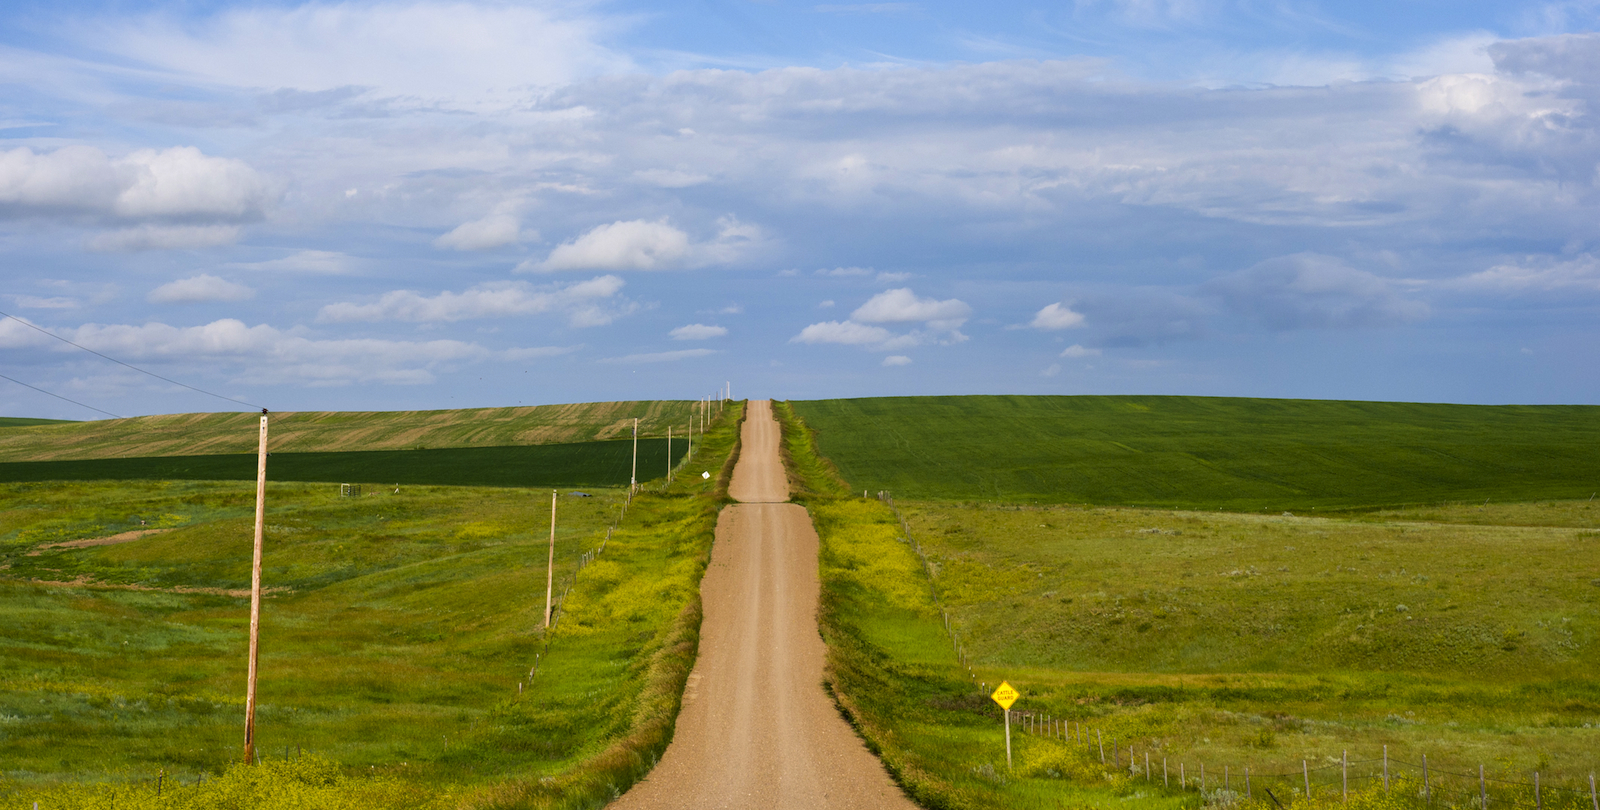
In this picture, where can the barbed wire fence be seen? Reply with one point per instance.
(933, 586)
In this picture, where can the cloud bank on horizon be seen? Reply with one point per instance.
(431, 204)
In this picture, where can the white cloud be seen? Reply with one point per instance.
(1056, 316)
(903, 306)
(582, 302)
(897, 360)
(538, 352)
(825, 304)
(317, 262)
(177, 184)
(1051, 370)
(892, 278)
(695, 331)
(468, 53)
(644, 245)
(661, 357)
(845, 272)
(941, 322)
(493, 231)
(200, 289)
(848, 333)
(264, 355)
(1536, 275)
(53, 302)
(1076, 350)
(163, 237)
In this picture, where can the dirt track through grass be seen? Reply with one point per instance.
(757, 730)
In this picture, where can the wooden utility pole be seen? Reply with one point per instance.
(633, 477)
(255, 594)
(550, 570)
(669, 453)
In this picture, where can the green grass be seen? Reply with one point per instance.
(188, 434)
(1463, 632)
(547, 465)
(19, 421)
(393, 652)
(1197, 452)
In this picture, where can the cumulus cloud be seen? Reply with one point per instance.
(645, 245)
(1076, 350)
(903, 306)
(696, 331)
(584, 303)
(1310, 291)
(1057, 316)
(897, 360)
(200, 289)
(184, 197)
(941, 322)
(493, 231)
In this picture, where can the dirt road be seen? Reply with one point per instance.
(756, 730)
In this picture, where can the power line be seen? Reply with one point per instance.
(62, 398)
(120, 363)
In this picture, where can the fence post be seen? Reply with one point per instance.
(1183, 778)
(1386, 769)
(1593, 797)
(1306, 770)
(1427, 792)
(1344, 774)
(1166, 782)
(1247, 781)
(1102, 742)
(1202, 777)
(1538, 800)
(1483, 793)
(1147, 767)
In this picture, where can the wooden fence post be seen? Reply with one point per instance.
(1306, 770)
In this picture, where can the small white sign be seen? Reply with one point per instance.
(705, 475)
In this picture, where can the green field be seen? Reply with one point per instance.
(543, 465)
(396, 633)
(1207, 453)
(17, 421)
(1466, 633)
(189, 434)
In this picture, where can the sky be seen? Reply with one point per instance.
(430, 204)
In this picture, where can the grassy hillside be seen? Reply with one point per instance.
(547, 465)
(191, 434)
(1197, 452)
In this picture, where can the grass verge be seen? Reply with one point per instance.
(396, 653)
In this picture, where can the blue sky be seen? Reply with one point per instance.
(395, 205)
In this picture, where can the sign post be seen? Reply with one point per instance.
(1005, 696)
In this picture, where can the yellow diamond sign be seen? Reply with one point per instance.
(1005, 695)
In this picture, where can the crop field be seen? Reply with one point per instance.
(1207, 453)
(191, 434)
(1463, 632)
(399, 640)
(544, 465)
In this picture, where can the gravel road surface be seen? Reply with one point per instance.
(756, 730)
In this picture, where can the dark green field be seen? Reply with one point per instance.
(546, 465)
(1207, 453)
(18, 421)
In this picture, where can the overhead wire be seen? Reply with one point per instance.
(62, 398)
(120, 363)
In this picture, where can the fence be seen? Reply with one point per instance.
(933, 584)
(1332, 778)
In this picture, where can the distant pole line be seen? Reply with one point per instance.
(43, 331)
(62, 398)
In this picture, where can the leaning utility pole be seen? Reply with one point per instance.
(633, 477)
(255, 594)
